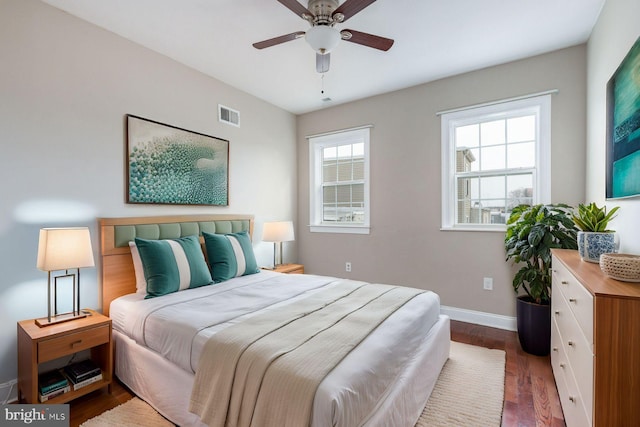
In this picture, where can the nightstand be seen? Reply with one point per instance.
(289, 268)
(37, 345)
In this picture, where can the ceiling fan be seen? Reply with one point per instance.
(323, 15)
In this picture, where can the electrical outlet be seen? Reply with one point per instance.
(487, 283)
(347, 267)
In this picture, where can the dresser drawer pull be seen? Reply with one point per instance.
(565, 282)
(557, 312)
(555, 348)
(572, 399)
(562, 365)
(571, 343)
(572, 300)
(76, 343)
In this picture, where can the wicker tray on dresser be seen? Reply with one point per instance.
(595, 343)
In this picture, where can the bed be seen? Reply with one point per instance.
(385, 378)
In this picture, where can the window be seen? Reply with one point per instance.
(339, 179)
(494, 158)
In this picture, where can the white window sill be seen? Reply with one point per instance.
(492, 229)
(346, 229)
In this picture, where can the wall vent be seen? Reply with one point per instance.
(228, 115)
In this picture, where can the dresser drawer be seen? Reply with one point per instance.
(579, 300)
(577, 410)
(71, 343)
(578, 352)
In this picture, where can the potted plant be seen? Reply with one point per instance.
(532, 231)
(594, 239)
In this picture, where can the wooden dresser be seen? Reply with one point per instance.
(595, 343)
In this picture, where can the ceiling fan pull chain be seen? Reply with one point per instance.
(322, 83)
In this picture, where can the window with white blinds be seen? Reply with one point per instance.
(339, 169)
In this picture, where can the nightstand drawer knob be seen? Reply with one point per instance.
(572, 399)
(571, 343)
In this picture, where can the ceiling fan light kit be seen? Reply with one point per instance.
(323, 37)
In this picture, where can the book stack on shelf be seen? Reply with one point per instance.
(52, 384)
(81, 374)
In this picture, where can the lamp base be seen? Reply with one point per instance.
(65, 317)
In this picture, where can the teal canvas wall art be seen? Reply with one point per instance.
(623, 128)
(170, 165)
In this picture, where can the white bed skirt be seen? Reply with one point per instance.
(167, 387)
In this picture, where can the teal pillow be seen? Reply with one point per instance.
(172, 265)
(230, 255)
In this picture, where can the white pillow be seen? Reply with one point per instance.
(141, 282)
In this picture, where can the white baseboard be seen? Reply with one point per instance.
(480, 318)
(9, 392)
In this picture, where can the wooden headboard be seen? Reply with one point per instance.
(118, 276)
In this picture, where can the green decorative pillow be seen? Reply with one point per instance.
(230, 255)
(172, 265)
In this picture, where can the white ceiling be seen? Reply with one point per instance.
(433, 39)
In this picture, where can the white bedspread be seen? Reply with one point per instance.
(178, 325)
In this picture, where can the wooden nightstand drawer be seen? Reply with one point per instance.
(61, 346)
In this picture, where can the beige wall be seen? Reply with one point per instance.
(65, 87)
(616, 31)
(406, 245)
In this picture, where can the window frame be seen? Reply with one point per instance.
(540, 106)
(316, 144)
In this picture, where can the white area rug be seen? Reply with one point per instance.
(132, 413)
(469, 392)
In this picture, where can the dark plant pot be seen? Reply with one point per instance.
(534, 326)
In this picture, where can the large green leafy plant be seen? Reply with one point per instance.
(532, 231)
(592, 218)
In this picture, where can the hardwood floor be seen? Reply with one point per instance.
(531, 397)
(530, 393)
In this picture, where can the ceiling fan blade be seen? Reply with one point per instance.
(351, 7)
(297, 8)
(322, 62)
(365, 39)
(277, 40)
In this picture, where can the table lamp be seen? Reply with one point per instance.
(277, 232)
(63, 249)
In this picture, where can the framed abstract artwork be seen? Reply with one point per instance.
(623, 128)
(170, 165)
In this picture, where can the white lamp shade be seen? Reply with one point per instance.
(323, 38)
(279, 231)
(64, 248)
